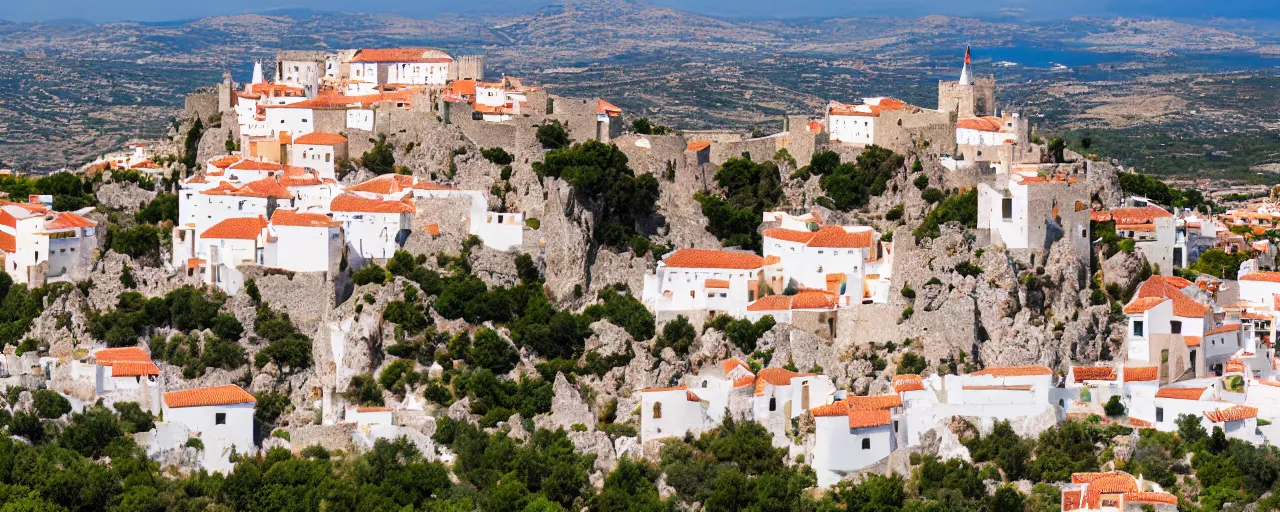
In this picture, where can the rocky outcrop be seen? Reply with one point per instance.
(122, 195)
(567, 409)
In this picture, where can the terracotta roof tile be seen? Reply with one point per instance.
(744, 381)
(1083, 373)
(690, 396)
(240, 228)
(134, 369)
(423, 55)
(605, 108)
(1233, 413)
(110, 356)
(873, 402)
(803, 299)
(8, 243)
(1148, 497)
(1192, 341)
(716, 283)
(201, 397)
(1181, 393)
(356, 204)
(1014, 371)
(1183, 305)
(224, 162)
(766, 303)
(869, 418)
(777, 377)
(908, 382)
(1141, 305)
(394, 183)
(1270, 277)
(836, 236)
(982, 123)
(790, 235)
(728, 365)
(320, 139)
(1137, 423)
(681, 387)
(1141, 373)
(1222, 328)
(67, 220)
(1144, 215)
(697, 145)
(708, 258)
(287, 217)
(1072, 499)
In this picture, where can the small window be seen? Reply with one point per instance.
(866, 443)
(657, 410)
(1006, 207)
(704, 383)
(1175, 326)
(220, 418)
(773, 403)
(1137, 328)
(1159, 414)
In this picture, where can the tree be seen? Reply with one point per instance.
(381, 158)
(960, 208)
(50, 404)
(163, 208)
(227, 327)
(748, 190)
(677, 334)
(1057, 146)
(489, 350)
(602, 180)
(1218, 263)
(552, 135)
(497, 155)
(851, 185)
(1114, 408)
(1007, 499)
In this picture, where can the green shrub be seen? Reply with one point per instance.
(498, 156)
(50, 404)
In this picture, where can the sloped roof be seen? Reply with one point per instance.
(1161, 287)
(67, 220)
(1181, 393)
(1083, 373)
(777, 377)
(1014, 371)
(908, 382)
(981, 123)
(393, 183)
(803, 299)
(710, 258)
(1222, 328)
(320, 139)
(1144, 215)
(422, 55)
(1233, 413)
(240, 228)
(1141, 373)
(356, 204)
(288, 217)
(200, 397)
(1142, 305)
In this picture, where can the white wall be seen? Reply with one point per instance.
(853, 129)
(304, 248)
(296, 121)
(318, 157)
(679, 415)
(218, 440)
(838, 449)
(372, 235)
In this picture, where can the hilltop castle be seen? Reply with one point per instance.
(969, 96)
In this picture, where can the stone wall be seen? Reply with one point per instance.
(905, 130)
(330, 120)
(286, 291)
(202, 104)
(578, 116)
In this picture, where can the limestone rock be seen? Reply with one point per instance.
(567, 408)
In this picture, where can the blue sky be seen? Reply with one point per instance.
(164, 10)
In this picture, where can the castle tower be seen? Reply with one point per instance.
(257, 73)
(968, 96)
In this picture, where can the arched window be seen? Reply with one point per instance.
(657, 410)
(773, 404)
(704, 383)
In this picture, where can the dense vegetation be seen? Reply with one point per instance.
(604, 183)
(850, 185)
(1152, 188)
(961, 208)
(381, 158)
(747, 190)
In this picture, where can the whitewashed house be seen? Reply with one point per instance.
(318, 151)
(1150, 227)
(992, 394)
(849, 261)
(670, 412)
(856, 124)
(227, 245)
(221, 417)
(851, 435)
(37, 243)
(303, 242)
(371, 67)
(1115, 491)
(1166, 327)
(369, 415)
(715, 280)
(374, 228)
(126, 375)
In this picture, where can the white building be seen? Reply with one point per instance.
(303, 242)
(1027, 212)
(1166, 327)
(1202, 400)
(206, 201)
(987, 131)
(850, 261)
(851, 435)
(992, 394)
(498, 230)
(1150, 227)
(1115, 491)
(221, 417)
(37, 243)
(374, 228)
(715, 280)
(126, 375)
(318, 151)
(363, 416)
(400, 66)
(227, 245)
(670, 412)
(856, 124)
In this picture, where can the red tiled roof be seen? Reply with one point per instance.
(357, 204)
(605, 108)
(790, 235)
(858, 418)
(873, 402)
(1148, 497)
(1222, 328)
(1270, 277)
(744, 381)
(201, 397)
(1141, 373)
(224, 162)
(423, 55)
(1071, 500)
(1083, 373)
(110, 356)
(1014, 371)
(777, 377)
(1144, 215)
(67, 220)
(286, 217)
(1137, 423)
(697, 145)
(903, 383)
(320, 139)
(1141, 305)
(133, 369)
(240, 228)
(708, 258)
(716, 283)
(803, 299)
(1192, 341)
(729, 364)
(393, 183)
(836, 236)
(1233, 413)
(1183, 305)
(1181, 393)
(983, 123)
(690, 396)
(659, 390)
(8, 243)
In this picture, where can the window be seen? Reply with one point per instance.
(1137, 328)
(704, 383)
(866, 443)
(1175, 326)
(220, 418)
(657, 410)
(1159, 414)
(1006, 208)
(773, 403)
